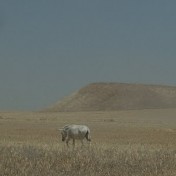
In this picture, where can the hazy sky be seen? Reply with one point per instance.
(50, 48)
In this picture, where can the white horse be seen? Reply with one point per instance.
(74, 132)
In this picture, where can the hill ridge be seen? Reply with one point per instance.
(117, 96)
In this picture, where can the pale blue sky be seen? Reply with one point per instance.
(50, 48)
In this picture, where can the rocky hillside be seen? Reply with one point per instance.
(116, 96)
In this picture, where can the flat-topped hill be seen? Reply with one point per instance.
(117, 96)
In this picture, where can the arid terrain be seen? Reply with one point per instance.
(133, 129)
(116, 96)
(133, 142)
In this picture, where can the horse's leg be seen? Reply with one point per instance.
(73, 143)
(82, 142)
(67, 141)
(89, 140)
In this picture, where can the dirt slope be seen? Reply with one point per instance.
(116, 96)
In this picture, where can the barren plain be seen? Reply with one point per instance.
(132, 142)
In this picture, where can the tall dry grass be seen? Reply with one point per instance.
(130, 143)
(52, 160)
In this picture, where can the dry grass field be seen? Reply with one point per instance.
(124, 143)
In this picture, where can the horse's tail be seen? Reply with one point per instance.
(88, 135)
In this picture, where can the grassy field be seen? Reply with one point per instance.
(124, 143)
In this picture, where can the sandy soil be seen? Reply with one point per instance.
(113, 127)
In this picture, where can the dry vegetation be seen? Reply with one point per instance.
(117, 96)
(124, 143)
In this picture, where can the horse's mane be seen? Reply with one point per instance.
(66, 127)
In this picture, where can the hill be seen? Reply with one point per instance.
(117, 96)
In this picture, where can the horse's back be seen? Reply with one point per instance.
(77, 131)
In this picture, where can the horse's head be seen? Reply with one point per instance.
(63, 133)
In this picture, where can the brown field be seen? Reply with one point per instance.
(124, 143)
